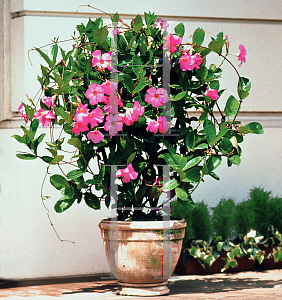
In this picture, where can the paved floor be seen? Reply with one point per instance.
(245, 285)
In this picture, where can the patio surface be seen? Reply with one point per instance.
(244, 285)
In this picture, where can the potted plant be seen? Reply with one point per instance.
(132, 135)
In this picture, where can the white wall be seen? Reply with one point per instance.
(29, 247)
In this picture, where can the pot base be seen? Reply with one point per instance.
(145, 289)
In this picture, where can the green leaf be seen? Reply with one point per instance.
(225, 145)
(61, 112)
(115, 18)
(128, 83)
(26, 156)
(215, 46)
(210, 130)
(192, 162)
(179, 29)
(198, 36)
(63, 204)
(92, 201)
(170, 185)
(232, 106)
(100, 35)
(140, 86)
(193, 174)
(221, 133)
(20, 139)
(34, 125)
(244, 86)
(235, 159)
(58, 158)
(28, 133)
(169, 147)
(59, 182)
(75, 142)
(181, 194)
(255, 127)
(130, 158)
(179, 96)
(45, 57)
(213, 162)
(190, 140)
(74, 174)
(29, 111)
(138, 23)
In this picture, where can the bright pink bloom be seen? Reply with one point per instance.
(108, 86)
(189, 62)
(172, 41)
(112, 104)
(102, 60)
(96, 116)
(95, 93)
(212, 93)
(138, 110)
(23, 114)
(153, 126)
(81, 115)
(95, 136)
(48, 101)
(157, 97)
(113, 124)
(163, 124)
(79, 127)
(242, 55)
(127, 173)
(44, 116)
(127, 119)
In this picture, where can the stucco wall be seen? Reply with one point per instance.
(29, 248)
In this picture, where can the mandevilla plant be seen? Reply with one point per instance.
(124, 98)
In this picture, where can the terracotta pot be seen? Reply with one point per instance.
(193, 267)
(142, 255)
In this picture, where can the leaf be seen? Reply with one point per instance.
(213, 162)
(192, 162)
(181, 194)
(198, 36)
(244, 86)
(169, 147)
(115, 18)
(215, 46)
(59, 182)
(100, 35)
(45, 57)
(28, 133)
(63, 204)
(138, 23)
(92, 201)
(61, 112)
(74, 174)
(170, 185)
(235, 159)
(179, 96)
(128, 83)
(193, 174)
(232, 106)
(190, 140)
(75, 142)
(26, 156)
(140, 86)
(225, 145)
(20, 139)
(179, 29)
(210, 130)
(130, 158)
(255, 127)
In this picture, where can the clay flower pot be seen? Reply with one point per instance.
(142, 255)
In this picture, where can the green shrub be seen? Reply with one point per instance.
(244, 217)
(259, 199)
(223, 218)
(275, 206)
(201, 222)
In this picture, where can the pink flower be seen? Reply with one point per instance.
(127, 173)
(153, 126)
(96, 116)
(162, 24)
(212, 93)
(102, 60)
(242, 55)
(95, 136)
(156, 97)
(127, 119)
(189, 62)
(79, 127)
(81, 115)
(95, 93)
(172, 41)
(138, 110)
(49, 101)
(112, 104)
(163, 124)
(23, 114)
(113, 124)
(44, 116)
(108, 86)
